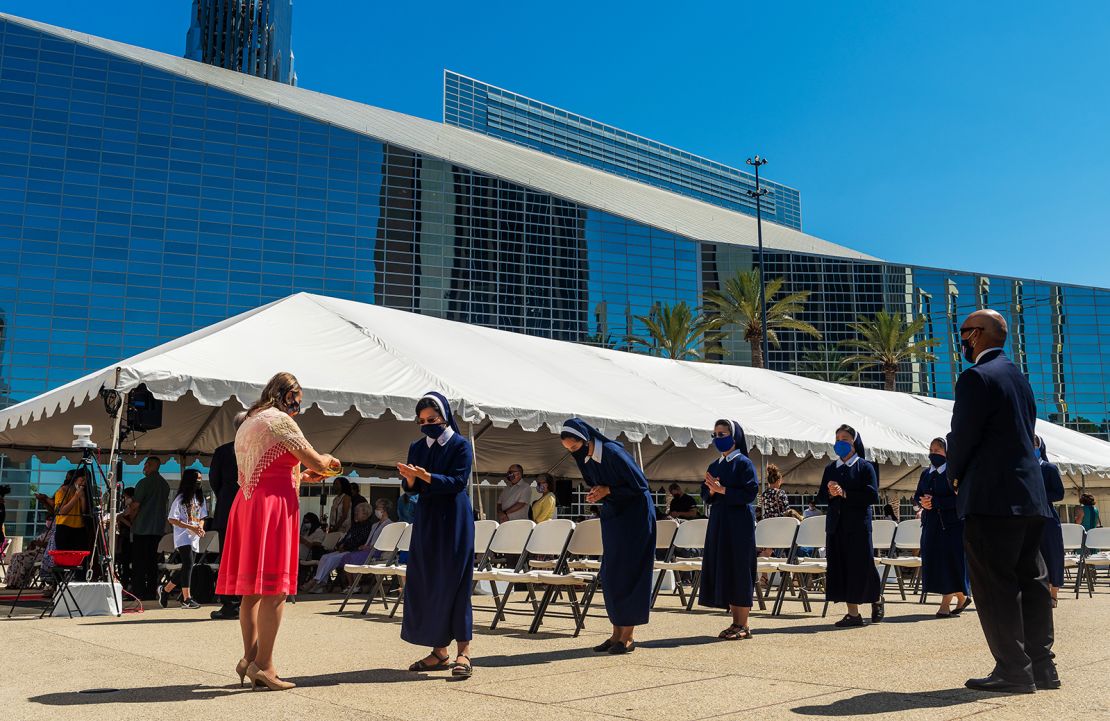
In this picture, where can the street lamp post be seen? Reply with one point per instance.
(757, 195)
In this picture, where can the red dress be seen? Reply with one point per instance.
(261, 550)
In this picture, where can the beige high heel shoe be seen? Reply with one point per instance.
(241, 669)
(260, 679)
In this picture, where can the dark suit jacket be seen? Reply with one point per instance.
(224, 477)
(990, 448)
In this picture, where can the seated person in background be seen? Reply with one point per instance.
(543, 509)
(682, 505)
(514, 500)
(357, 539)
(811, 510)
(21, 569)
(312, 537)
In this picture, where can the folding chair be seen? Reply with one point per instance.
(508, 542)
(665, 531)
(585, 548)
(483, 535)
(810, 534)
(1091, 559)
(691, 537)
(386, 544)
(1073, 543)
(907, 537)
(4, 558)
(549, 538)
(165, 549)
(331, 540)
(777, 534)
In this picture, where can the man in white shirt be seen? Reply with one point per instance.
(515, 499)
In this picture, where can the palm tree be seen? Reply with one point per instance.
(677, 331)
(738, 303)
(826, 364)
(886, 341)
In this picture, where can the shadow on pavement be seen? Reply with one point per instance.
(192, 692)
(876, 702)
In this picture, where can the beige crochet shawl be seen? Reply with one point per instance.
(261, 440)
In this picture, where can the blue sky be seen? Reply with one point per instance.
(973, 136)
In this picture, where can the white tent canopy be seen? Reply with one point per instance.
(363, 368)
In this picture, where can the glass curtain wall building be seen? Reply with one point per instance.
(144, 196)
(250, 36)
(484, 108)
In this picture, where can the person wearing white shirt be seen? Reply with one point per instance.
(187, 514)
(516, 497)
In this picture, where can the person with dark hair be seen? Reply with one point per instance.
(187, 513)
(356, 499)
(1001, 497)
(681, 505)
(441, 550)
(1052, 538)
(850, 486)
(260, 555)
(943, 565)
(890, 513)
(152, 493)
(342, 506)
(223, 476)
(627, 528)
(1087, 513)
(543, 508)
(71, 513)
(312, 536)
(728, 568)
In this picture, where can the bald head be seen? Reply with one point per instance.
(984, 329)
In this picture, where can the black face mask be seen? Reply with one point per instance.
(582, 452)
(969, 352)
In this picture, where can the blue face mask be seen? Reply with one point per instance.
(842, 448)
(724, 445)
(937, 460)
(432, 431)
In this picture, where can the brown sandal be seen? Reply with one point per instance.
(728, 632)
(737, 633)
(462, 670)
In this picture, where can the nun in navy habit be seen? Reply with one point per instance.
(728, 565)
(1052, 538)
(627, 528)
(943, 564)
(850, 486)
(441, 553)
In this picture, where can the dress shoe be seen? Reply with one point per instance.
(850, 621)
(878, 611)
(604, 647)
(618, 647)
(1046, 678)
(999, 685)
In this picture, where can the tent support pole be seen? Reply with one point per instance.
(475, 490)
(640, 455)
(113, 482)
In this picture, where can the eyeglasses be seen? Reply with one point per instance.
(722, 434)
(430, 422)
(970, 328)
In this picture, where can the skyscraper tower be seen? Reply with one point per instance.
(250, 36)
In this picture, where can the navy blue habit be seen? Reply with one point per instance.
(441, 554)
(627, 526)
(851, 576)
(943, 564)
(728, 566)
(1052, 538)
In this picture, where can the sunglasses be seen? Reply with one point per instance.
(430, 422)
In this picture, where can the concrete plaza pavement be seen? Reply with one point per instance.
(175, 663)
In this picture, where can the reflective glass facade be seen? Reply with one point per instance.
(487, 109)
(248, 36)
(137, 205)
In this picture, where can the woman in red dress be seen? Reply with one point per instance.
(261, 550)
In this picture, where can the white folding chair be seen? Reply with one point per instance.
(483, 535)
(1073, 543)
(778, 534)
(907, 537)
(690, 537)
(1094, 555)
(165, 548)
(386, 546)
(665, 531)
(882, 538)
(210, 550)
(549, 538)
(811, 534)
(331, 540)
(508, 542)
(585, 546)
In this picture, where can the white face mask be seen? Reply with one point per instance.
(379, 513)
(541, 488)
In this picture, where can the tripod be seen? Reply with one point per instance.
(99, 558)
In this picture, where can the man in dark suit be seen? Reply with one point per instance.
(224, 477)
(1001, 495)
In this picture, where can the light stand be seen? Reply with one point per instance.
(757, 195)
